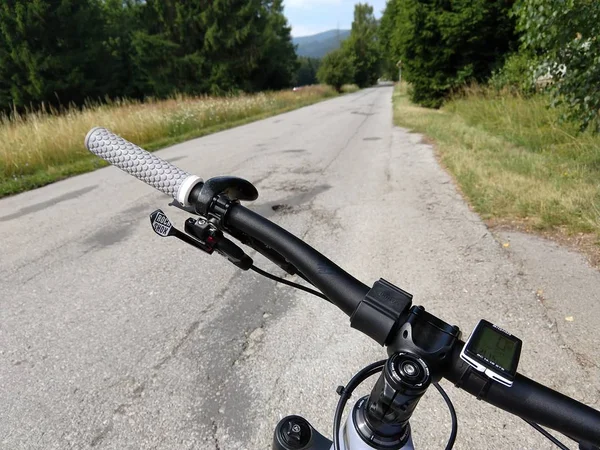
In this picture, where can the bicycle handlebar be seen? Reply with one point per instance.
(526, 398)
(529, 400)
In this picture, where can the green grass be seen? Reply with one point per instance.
(513, 159)
(40, 148)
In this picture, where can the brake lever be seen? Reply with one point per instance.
(202, 235)
(228, 183)
(188, 209)
(217, 220)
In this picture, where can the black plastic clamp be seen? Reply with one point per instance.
(379, 311)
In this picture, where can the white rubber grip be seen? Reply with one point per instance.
(136, 161)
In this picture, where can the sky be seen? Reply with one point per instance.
(314, 16)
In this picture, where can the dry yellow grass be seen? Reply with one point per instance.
(38, 148)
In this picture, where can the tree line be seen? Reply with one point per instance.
(61, 52)
(357, 61)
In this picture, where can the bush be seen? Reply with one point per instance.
(336, 70)
(565, 33)
(517, 75)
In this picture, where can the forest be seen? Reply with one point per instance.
(65, 52)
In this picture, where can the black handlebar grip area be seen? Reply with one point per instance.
(136, 161)
(529, 400)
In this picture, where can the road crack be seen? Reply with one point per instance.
(214, 431)
(191, 329)
(345, 146)
(102, 434)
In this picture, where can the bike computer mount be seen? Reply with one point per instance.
(493, 352)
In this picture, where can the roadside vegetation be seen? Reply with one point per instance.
(526, 45)
(41, 147)
(156, 72)
(516, 162)
(507, 92)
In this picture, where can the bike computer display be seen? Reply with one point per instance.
(493, 351)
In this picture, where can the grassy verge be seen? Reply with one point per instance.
(41, 148)
(515, 163)
(350, 88)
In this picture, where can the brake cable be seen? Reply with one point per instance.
(205, 236)
(289, 283)
(453, 417)
(346, 392)
(547, 435)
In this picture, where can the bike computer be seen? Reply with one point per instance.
(493, 351)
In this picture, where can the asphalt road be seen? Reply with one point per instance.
(112, 338)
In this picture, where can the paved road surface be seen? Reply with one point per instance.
(112, 338)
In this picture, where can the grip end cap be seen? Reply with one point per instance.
(89, 135)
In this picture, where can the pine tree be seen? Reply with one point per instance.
(307, 71)
(122, 19)
(278, 62)
(169, 50)
(52, 52)
(362, 46)
(232, 43)
(66, 51)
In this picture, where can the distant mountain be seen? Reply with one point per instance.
(318, 45)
